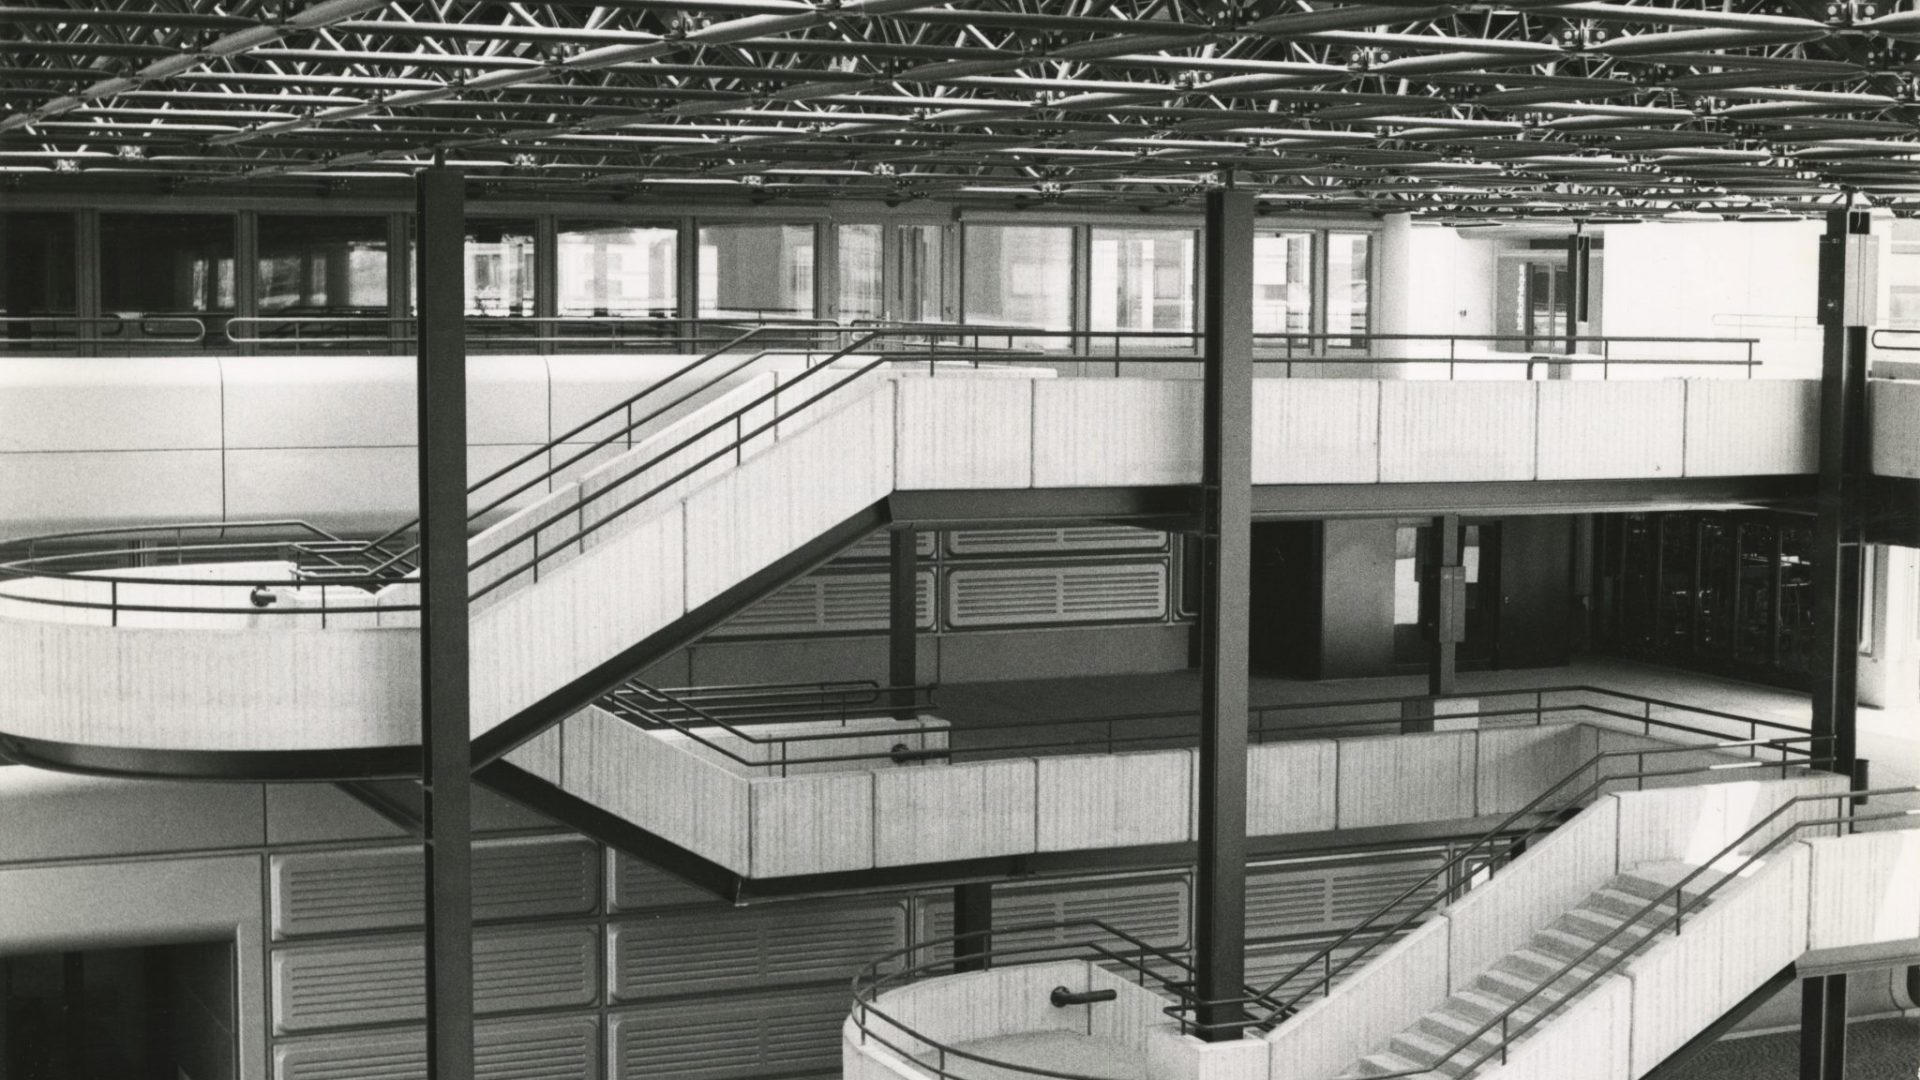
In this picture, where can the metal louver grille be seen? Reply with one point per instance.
(829, 603)
(1048, 541)
(639, 887)
(736, 1037)
(556, 1048)
(384, 982)
(337, 891)
(880, 546)
(1025, 595)
(675, 955)
(1152, 910)
(1317, 897)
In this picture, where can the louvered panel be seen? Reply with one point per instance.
(879, 546)
(1309, 897)
(549, 1048)
(675, 955)
(350, 984)
(1154, 910)
(1049, 541)
(744, 1036)
(342, 891)
(1026, 595)
(639, 887)
(1269, 962)
(829, 603)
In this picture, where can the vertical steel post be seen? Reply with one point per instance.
(1443, 606)
(1848, 295)
(903, 620)
(1226, 548)
(1823, 1028)
(972, 915)
(444, 734)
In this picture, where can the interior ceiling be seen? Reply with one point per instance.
(1597, 110)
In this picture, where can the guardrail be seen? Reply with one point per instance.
(119, 333)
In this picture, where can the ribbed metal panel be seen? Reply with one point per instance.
(351, 984)
(1268, 963)
(639, 887)
(1306, 898)
(1154, 910)
(549, 1048)
(1051, 541)
(748, 948)
(737, 1037)
(344, 891)
(880, 546)
(1025, 595)
(829, 603)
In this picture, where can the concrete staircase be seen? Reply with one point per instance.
(1427, 1050)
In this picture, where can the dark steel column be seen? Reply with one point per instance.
(972, 915)
(903, 620)
(444, 734)
(1443, 606)
(1226, 549)
(1847, 299)
(1823, 1028)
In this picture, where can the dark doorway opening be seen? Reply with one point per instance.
(154, 1012)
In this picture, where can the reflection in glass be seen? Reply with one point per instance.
(1638, 582)
(1142, 279)
(612, 268)
(1019, 275)
(322, 264)
(1349, 287)
(1797, 651)
(36, 277)
(756, 270)
(1283, 283)
(167, 264)
(1718, 592)
(922, 273)
(1678, 543)
(500, 270)
(859, 272)
(1753, 635)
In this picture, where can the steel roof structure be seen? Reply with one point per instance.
(1596, 110)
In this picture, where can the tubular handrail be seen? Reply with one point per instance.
(1536, 809)
(113, 325)
(1681, 906)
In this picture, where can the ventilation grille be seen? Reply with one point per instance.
(744, 948)
(1019, 596)
(829, 603)
(880, 546)
(1153, 910)
(1267, 963)
(738, 1037)
(349, 985)
(336, 892)
(1051, 541)
(639, 887)
(1316, 897)
(557, 1048)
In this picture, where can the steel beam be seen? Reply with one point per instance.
(972, 925)
(444, 690)
(1847, 296)
(903, 619)
(1823, 1028)
(1226, 548)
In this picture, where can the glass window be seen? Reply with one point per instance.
(859, 272)
(36, 276)
(1141, 279)
(500, 270)
(165, 265)
(922, 273)
(612, 268)
(1283, 283)
(323, 263)
(1019, 275)
(1349, 289)
(755, 270)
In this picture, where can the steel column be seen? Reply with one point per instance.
(1443, 605)
(1847, 299)
(1823, 1028)
(972, 915)
(903, 619)
(444, 734)
(1226, 545)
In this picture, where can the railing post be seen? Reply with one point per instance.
(444, 696)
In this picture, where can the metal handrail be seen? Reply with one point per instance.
(1681, 906)
(114, 327)
(1535, 809)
